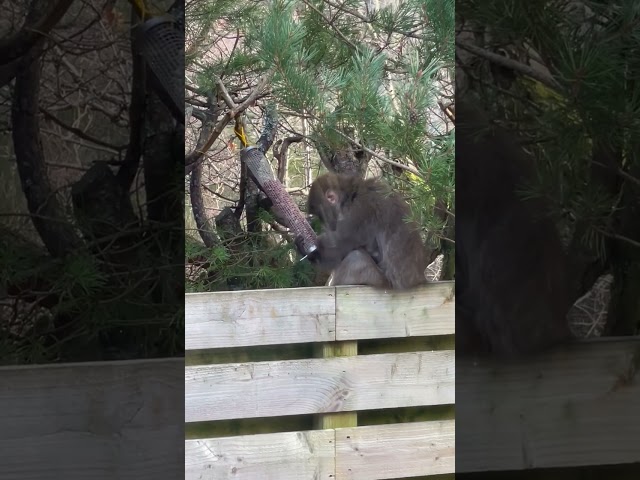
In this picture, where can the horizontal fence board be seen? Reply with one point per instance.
(301, 315)
(91, 421)
(365, 313)
(378, 451)
(576, 406)
(295, 387)
(259, 317)
(395, 451)
(273, 456)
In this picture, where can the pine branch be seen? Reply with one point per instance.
(617, 236)
(511, 64)
(331, 24)
(402, 166)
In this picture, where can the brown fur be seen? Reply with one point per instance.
(367, 239)
(358, 268)
(511, 271)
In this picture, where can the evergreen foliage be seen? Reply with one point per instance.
(371, 77)
(580, 120)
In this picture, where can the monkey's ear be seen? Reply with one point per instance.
(332, 197)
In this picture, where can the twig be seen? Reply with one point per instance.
(330, 23)
(79, 133)
(327, 164)
(402, 166)
(617, 236)
(280, 153)
(511, 64)
(224, 93)
(621, 172)
(234, 111)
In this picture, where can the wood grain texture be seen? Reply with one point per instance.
(576, 406)
(299, 315)
(395, 451)
(92, 421)
(259, 317)
(363, 313)
(275, 456)
(373, 452)
(336, 419)
(296, 387)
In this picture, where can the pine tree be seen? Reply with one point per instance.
(356, 88)
(564, 76)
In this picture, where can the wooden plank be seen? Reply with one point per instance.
(395, 451)
(337, 419)
(297, 315)
(576, 406)
(274, 456)
(91, 421)
(363, 313)
(298, 387)
(259, 317)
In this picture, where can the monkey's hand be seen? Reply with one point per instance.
(328, 253)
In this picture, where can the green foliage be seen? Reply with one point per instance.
(105, 329)
(79, 276)
(253, 263)
(592, 108)
(68, 310)
(374, 77)
(583, 129)
(318, 67)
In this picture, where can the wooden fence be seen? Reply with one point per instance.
(574, 407)
(578, 406)
(92, 421)
(320, 386)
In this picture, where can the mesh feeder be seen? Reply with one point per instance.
(263, 174)
(160, 42)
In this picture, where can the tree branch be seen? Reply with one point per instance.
(233, 112)
(137, 118)
(79, 133)
(511, 64)
(280, 153)
(33, 31)
(48, 215)
(197, 207)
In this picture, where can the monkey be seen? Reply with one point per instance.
(367, 238)
(359, 268)
(512, 274)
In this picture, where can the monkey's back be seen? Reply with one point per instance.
(511, 271)
(398, 247)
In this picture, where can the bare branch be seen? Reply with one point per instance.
(280, 153)
(47, 213)
(402, 166)
(33, 31)
(233, 112)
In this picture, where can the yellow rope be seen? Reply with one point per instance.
(144, 12)
(240, 133)
(140, 7)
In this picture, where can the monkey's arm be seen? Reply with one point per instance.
(332, 247)
(329, 254)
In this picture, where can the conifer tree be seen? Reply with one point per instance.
(359, 87)
(564, 76)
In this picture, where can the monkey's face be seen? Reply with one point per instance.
(324, 202)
